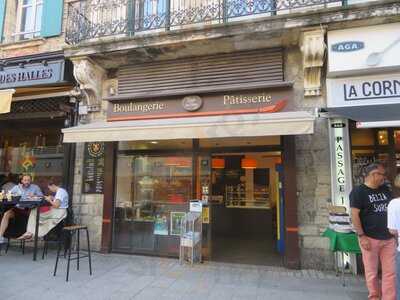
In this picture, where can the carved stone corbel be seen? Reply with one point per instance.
(89, 76)
(312, 45)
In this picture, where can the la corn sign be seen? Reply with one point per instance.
(363, 90)
(348, 46)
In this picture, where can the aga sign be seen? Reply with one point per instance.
(348, 46)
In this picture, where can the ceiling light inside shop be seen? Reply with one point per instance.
(249, 163)
(218, 163)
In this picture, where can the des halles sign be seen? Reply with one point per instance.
(32, 74)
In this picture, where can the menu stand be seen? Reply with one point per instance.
(191, 236)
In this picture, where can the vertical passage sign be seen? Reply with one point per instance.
(340, 162)
(93, 168)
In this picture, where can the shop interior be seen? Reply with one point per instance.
(155, 180)
(31, 146)
(245, 193)
(374, 144)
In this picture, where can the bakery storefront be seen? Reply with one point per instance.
(363, 90)
(34, 107)
(226, 139)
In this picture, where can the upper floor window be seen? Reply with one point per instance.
(29, 18)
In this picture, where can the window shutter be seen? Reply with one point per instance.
(52, 17)
(2, 16)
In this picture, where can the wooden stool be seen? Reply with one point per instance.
(70, 230)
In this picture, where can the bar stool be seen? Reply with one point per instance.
(69, 231)
(55, 236)
(21, 245)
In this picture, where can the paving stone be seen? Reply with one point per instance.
(129, 277)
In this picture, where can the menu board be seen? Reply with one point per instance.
(93, 168)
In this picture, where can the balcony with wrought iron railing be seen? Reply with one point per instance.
(92, 19)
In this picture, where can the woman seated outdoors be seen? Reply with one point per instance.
(48, 219)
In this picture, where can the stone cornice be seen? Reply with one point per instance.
(90, 77)
(313, 48)
(336, 17)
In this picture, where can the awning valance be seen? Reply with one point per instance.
(5, 100)
(368, 113)
(261, 124)
(379, 124)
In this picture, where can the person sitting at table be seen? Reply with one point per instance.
(49, 219)
(28, 191)
(10, 183)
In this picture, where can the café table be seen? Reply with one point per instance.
(341, 243)
(28, 204)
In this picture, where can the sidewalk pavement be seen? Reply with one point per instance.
(138, 277)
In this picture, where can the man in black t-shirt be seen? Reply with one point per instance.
(369, 202)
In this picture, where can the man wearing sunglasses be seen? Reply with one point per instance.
(369, 202)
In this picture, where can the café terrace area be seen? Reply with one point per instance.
(141, 277)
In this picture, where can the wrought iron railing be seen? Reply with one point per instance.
(91, 19)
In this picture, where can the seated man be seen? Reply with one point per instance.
(27, 191)
(49, 219)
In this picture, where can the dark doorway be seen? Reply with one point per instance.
(245, 208)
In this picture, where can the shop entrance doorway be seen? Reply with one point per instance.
(246, 208)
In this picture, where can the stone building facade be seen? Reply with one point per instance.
(302, 36)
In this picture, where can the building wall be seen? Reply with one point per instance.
(313, 173)
(312, 151)
(313, 177)
(88, 208)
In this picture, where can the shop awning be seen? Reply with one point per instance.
(368, 113)
(5, 100)
(261, 124)
(379, 124)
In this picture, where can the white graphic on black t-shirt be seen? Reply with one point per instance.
(378, 207)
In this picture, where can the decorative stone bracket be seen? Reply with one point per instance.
(313, 47)
(90, 77)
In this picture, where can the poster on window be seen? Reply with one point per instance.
(161, 225)
(176, 222)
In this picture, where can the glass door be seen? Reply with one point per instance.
(203, 193)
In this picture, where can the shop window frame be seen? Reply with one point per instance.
(196, 151)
